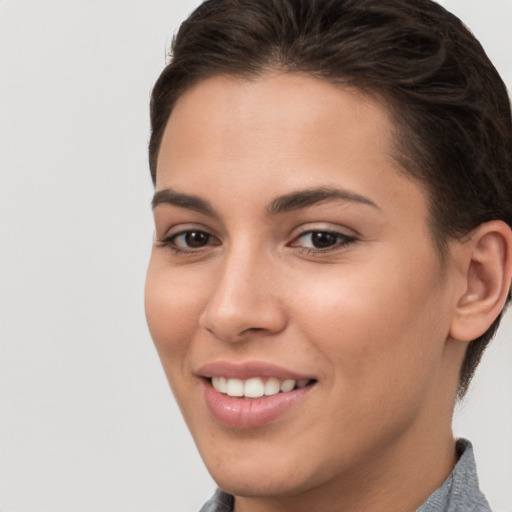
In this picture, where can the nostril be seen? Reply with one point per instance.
(238, 308)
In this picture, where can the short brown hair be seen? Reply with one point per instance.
(450, 106)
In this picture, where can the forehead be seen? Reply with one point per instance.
(265, 137)
(225, 115)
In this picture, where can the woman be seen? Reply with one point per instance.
(332, 249)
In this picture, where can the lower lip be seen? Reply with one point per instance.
(251, 412)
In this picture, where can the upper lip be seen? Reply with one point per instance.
(247, 370)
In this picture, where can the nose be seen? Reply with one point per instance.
(244, 300)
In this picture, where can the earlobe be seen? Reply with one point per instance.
(488, 271)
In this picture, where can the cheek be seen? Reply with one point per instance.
(381, 349)
(172, 310)
(379, 326)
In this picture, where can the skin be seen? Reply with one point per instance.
(370, 317)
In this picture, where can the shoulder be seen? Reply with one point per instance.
(219, 502)
(460, 492)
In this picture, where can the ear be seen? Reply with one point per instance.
(487, 275)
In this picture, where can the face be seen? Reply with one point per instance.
(294, 293)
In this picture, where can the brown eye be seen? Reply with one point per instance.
(322, 241)
(196, 238)
(192, 239)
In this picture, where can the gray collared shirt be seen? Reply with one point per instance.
(459, 493)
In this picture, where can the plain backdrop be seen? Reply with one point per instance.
(87, 421)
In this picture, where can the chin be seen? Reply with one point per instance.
(261, 483)
(259, 469)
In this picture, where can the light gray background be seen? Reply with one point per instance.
(87, 421)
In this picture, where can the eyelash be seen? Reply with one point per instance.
(342, 240)
(170, 242)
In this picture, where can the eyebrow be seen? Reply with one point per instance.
(309, 197)
(282, 204)
(190, 202)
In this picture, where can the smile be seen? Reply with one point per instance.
(256, 387)
(252, 393)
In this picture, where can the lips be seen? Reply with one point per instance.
(252, 394)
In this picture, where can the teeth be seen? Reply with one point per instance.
(235, 387)
(220, 384)
(287, 385)
(272, 387)
(255, 387)
(223, 384)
